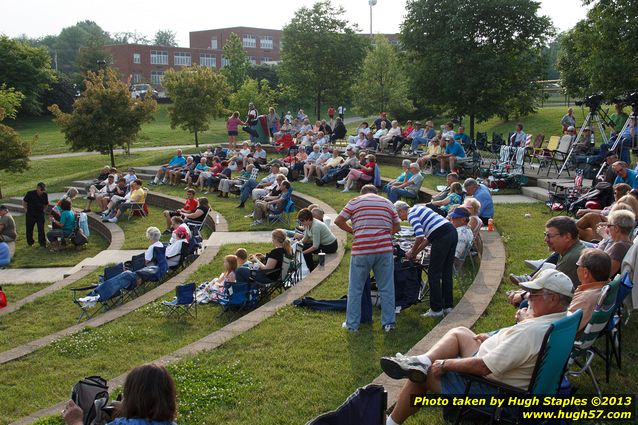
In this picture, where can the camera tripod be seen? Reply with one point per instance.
(617, 146)
(594, 117)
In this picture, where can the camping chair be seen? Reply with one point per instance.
(583, 347)
(136, 263)
(548, 372)
(542, 156)
(110, 296)
(154, 273)
(366, 405)
(535, 148)
(236, 189)
(239, 296)
(560, 155)
(471, 166)
(183, 255)
(284, 216)
(112, 271)
(139, 208)
(497, 142)
(184, 302)
(196, 226)
(481, 141)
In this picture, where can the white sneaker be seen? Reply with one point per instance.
(304, 180)
(431, 313)
(113, 220)
(345, 190)
(448, 310)
(534, 264)
(342, 181)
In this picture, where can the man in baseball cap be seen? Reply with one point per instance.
(508, 356)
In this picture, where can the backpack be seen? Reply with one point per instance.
(78, 237)
(91, 394)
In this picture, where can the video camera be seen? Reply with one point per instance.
(630, 99)
(593, 101)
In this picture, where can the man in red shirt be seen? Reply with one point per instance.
(189, 207)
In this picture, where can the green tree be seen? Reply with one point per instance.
(321, 53)
(14, 155)
(472, 58)
(27, 69)
(198, 95)
(71, 39)
(237, 67)
(598, 54)
(104, 116)
(259, 93)
(382, 85)
(63, 92)
(93, 58)
(165, 38)
(130, 37)
(264, 72)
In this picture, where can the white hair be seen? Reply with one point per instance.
(153, 234)
(401, 206)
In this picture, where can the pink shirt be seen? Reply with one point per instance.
(232, 124)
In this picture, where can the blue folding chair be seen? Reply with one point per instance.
(184, 302)
(548, 372)
(366, 406)
(284, 216)
(239, 296)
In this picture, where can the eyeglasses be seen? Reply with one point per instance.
(549, 235)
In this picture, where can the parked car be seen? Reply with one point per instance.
(138, 91)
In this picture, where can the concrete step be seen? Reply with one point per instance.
(535, 192)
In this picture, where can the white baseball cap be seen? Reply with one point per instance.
(551, 280)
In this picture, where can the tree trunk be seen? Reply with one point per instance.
(318, 106)
(196, 140)
(112, 156)
(471, 125)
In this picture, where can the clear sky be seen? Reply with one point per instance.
(42, 17)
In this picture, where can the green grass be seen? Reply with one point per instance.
(140, 336)
(156, 133)
(546, 121)
(17, 292)
(135, 228)
(34, 256)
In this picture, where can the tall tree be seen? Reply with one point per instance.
(236, 67)
(264, 72)
(27, 69)
(259, 93)
(63, 92)
(71, 39)
(93, 58)
(321, 53)
(165, 38)
(382, 85)
(598, 54)
(130, 37)
(198, 95)
(473, 57)
(14, 155)
(104, 116)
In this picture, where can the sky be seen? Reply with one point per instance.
(37, 18)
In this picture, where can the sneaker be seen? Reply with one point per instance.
(440, 173)
(112, 220)
(342, 181)
(256, 223)
(534, 264)
(516, 279)
(249, 215)
(162, 183)
(400, 366)
(432, 313)
(448, 310)
(345, 326)
(345, 191)
(389, 328)
(304, 180)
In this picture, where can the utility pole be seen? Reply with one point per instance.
(371, 3)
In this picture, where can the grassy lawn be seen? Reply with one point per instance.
(135, 228)
(17, 292)
(34, 256)
(25, 384)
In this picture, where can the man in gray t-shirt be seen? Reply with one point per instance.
(7, 225)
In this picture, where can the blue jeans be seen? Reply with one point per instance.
(395, 194)
(247, 190)
(383, 267)
(418, 141)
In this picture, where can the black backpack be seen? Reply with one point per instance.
(91, 394)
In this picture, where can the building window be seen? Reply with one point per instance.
(137, 78)
(265, 42)
(266, 59)
(281, 44)
(156, 77)
(225, 62)
(207, 60)
(213, 43)
(137, 58)
(253, 60)
(159, 57)
(249, 41)
(182, 58)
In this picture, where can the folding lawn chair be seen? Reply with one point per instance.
(196, 226)
(548, 372)
(240, 296)
(366, 406)
(284, 216)
(110, 294)
(184, 302)
(560, 155)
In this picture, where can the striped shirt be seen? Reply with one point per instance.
(373, 219)
(424, 221)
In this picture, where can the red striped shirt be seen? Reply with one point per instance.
(373, 218)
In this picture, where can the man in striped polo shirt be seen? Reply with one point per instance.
(432, 229)
(374, 220)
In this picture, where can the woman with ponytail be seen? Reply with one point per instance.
(270, 269)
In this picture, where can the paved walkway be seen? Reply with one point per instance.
(513, 199)
(41, 275)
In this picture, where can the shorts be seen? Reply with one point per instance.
(174, 214)
(453, 384)
(232, 133)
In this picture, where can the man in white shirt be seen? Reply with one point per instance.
(508, 356)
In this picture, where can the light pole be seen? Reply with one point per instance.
(371, 3)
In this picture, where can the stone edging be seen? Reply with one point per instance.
(467, 311)
(238, 326)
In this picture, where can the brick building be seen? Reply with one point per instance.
(147, 64)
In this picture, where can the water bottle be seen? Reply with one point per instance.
(322, 258)
(490, 225)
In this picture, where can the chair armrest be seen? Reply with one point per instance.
(83, 288)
